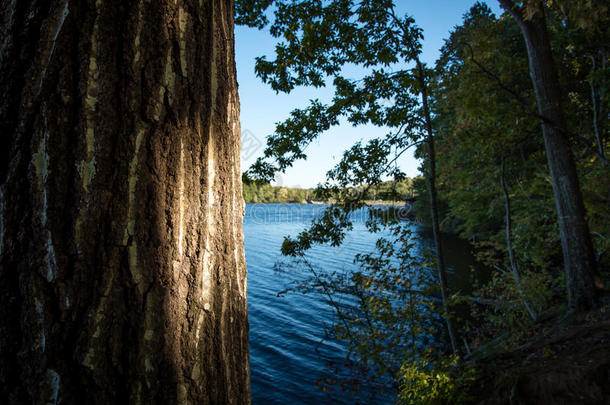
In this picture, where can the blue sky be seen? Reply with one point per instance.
(262, 108)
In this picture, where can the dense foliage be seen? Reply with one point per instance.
(479, 108)
(479, 124)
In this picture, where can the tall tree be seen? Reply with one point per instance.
(434, 212)
(122, 273)
(579, 259)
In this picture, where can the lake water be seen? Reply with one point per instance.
(288, 352)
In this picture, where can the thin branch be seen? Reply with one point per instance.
(509, 245)
(329, 295)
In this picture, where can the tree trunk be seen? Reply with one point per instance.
(440, 257)
(598, 104)
(509, 245)
(578, 256)
(122, 273)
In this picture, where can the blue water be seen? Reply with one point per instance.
(288, 349)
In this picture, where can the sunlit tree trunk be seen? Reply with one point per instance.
(578, 255)
(122, 274)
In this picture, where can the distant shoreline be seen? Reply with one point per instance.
(367, 202)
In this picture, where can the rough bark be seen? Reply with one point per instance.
(122, 274)
(431, 177)
(578, 255)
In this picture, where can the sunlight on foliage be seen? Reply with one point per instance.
(441, 382)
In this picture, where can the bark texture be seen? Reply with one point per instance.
(122, 273)
(578, 255)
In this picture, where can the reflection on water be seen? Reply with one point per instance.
(288, 353)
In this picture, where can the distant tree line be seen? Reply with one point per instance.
(260, 191)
